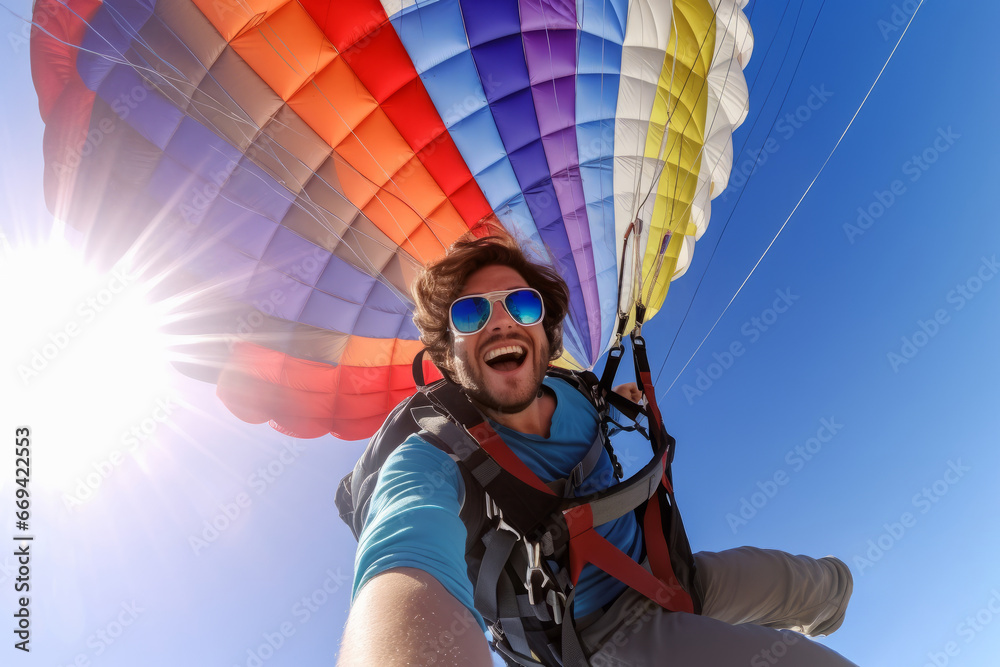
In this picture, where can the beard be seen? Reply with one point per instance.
(495, 393)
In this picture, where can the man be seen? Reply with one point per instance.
(491, 320)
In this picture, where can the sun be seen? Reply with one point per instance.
(86, 366)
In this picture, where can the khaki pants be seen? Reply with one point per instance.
(756, 603)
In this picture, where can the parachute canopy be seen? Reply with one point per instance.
(279, 170)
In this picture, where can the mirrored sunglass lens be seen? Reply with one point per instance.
(524, 306)
(470, 314)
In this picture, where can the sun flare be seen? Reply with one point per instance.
(86, 366)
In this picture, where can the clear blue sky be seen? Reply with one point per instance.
(825, 441)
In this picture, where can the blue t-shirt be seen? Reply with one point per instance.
(413, 519)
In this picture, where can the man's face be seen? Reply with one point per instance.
(509, 382)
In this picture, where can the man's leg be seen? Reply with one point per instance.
(775, 589)
(638, 633)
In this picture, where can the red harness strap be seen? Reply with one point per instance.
(646, 382)
(652, 523)
(659, 556)
(587, 546)
(494, 445)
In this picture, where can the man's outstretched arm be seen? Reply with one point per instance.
(404, 616)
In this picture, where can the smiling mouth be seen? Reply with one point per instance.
(507, 358)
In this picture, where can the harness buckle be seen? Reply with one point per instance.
(493, 512)
(556, 600)
(536, 580)
(541, 587)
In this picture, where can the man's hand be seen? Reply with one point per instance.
(629, 390)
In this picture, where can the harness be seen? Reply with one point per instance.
(527, 540)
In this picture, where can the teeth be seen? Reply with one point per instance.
(510, 349)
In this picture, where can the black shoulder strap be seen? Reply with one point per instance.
(355, 489)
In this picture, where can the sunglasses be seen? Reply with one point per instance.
(471, 313)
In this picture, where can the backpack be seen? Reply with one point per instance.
(527, 541)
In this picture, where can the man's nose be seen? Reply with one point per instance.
(500, 318)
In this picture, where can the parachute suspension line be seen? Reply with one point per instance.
(390, 177)
(745, 184)
(566, 150)
(634, 229)
(702, 149)
(661, 255)
(129, 257)
(742, 188)
(638, 181)
(641, 137)
(804, 194)
(156, 75)
(371, 269)
(563, 139)
(657, 169)
(667, 233)
(664, 142)
(603, 124)
(622, 312)
(659, 161)
(376, 271)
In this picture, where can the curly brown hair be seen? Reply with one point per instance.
(440, 282)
